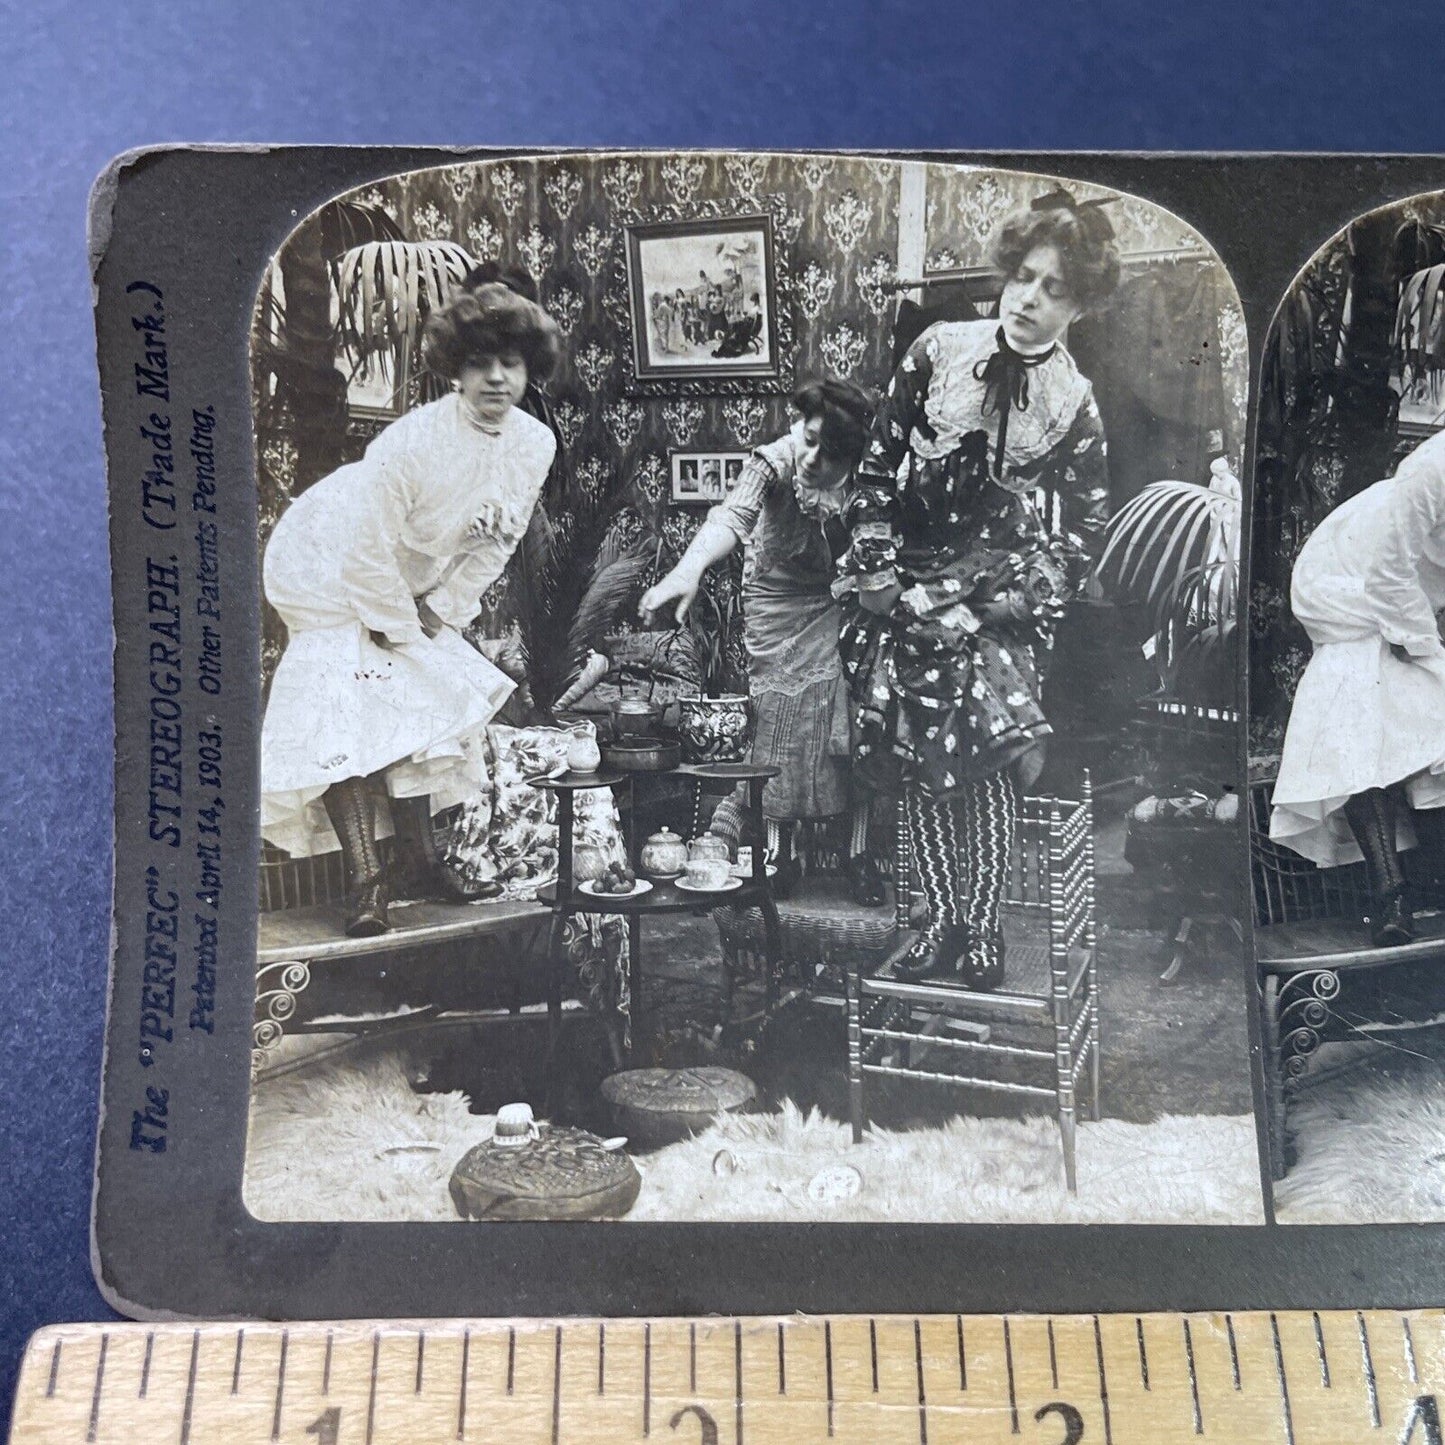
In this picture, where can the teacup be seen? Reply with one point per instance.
(706, 872)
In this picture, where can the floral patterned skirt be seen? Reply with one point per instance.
(939, 718)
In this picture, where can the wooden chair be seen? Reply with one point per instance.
(1320, 978)
(1036, 1036)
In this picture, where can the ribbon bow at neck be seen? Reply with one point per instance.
(1005, 377)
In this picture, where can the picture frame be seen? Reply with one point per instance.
(704, 305)
(705, 477)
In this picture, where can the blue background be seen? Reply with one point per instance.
(82, 82)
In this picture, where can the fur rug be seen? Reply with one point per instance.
(352, 1141)
(1370, 1141)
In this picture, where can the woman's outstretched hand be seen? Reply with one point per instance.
(676, 588)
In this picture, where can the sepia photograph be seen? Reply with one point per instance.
(703, 297)
(866, 844)
(705, 476)
(1347, 700)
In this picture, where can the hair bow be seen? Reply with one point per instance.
(1090, 214)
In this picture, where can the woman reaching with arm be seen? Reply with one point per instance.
(786, 509)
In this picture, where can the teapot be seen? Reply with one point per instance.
(664, 854)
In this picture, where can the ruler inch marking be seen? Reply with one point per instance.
(872, 1350)
(371, 1387)
(1283, 1382)
(94, 1423)
(462, 1393)
(922, 1398)
(1143, 1353)
(962, 1359)
(511, 1357)
(420, 1360)
(280, 1386)
(828, 1364)
(236, 1367)
(190, 1405)
(1410, 1362)
(738, 1376)
(54, 1371)
(1013, 1399)
(1053, 1355)
(1193, 1377)
(646, 1376)
(692, 1358)
(557, 1392)
(782, 1363)
(1320, 1350)
(1103, 1382)
(145, 1368)
(326, 1367)
(602, 1359)
(1233, 1351)
(1369, 1364)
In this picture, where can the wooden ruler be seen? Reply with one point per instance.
(1253, 1378)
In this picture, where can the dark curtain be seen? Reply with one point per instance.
(1154, 358)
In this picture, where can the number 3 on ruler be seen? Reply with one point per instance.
(1426, 1414)
(1073, 1421)
(326, 1428)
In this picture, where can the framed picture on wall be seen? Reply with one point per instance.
(703, 298)
(705, 477)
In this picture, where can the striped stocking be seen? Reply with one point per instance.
(935, 849)
(987, 815)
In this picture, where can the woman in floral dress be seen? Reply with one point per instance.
(956, 577)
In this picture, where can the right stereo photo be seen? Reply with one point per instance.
(1347, 718)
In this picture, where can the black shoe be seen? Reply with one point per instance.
(933, 955)
(787, 877)
(981, 964)
(865, 882)
(367, 916)
(1393, 924)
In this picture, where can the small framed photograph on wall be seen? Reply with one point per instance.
(705, 477)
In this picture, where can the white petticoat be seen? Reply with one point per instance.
(1361, 719)
(342, 707)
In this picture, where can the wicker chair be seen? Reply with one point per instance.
(1320, 978)
(823, 932)
(1036, 1036)
(1193, 867)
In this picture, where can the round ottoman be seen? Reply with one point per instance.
(563, 1173)
(660, 1106)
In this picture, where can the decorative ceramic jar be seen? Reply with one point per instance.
(716, 729)
(583, 754)
(664, 855)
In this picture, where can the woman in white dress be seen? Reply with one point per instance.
(1366, 738)
(376, 570)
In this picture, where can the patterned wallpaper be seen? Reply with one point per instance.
(837, 227)
(562, 219)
